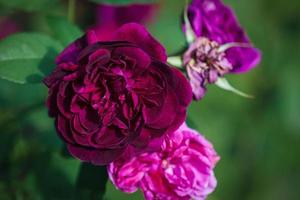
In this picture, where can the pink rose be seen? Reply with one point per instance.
(182, 169)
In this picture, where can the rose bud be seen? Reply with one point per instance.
(219, 45)
(181, 169)
(108, 95)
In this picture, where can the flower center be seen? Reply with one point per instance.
(204, 57)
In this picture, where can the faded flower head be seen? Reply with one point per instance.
(205, 62)
(181, 169)
(215, 26)
(108, 95)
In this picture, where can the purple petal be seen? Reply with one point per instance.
(214, 20)
(139, 35)
(109, 18)
(246, 58)
(143, 60)
(63, 129)
(162, 117)
(95, 156)
(71, 52)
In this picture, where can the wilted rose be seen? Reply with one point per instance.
(221, 46)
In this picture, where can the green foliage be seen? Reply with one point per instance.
(27, 57)
(91, 182)
(29, 5)
(111, 193)
(63, 30)
(257, 139)
(124, 2)
(225, 85)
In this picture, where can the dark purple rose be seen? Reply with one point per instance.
(221, 46)
(111, 17)
(109, 95)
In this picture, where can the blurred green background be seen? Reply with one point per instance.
(258, 139)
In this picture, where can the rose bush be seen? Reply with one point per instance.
(108, 95)
(181, 169)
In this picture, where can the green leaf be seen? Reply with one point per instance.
(64, 152)
(124, 2)
(190, 122)
(224, 84)
(175, 61)
(91, 182)
(63, 30)
(189, 32)
(29, 5)
(27, 57)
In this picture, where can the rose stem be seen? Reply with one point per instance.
(71, 10)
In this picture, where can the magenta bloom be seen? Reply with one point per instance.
(108, 95)
(110, 17)
(8, 27)
(215, 25)
(181, 169)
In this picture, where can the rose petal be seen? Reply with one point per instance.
(95, 156)
(163, 116)
(216, 21)
(63, 128)
(141, 58)
(139, 35)
(109, 137)
(182, 88)
(245, 58)
(181, 169)
(71, 52)
(110, 17)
